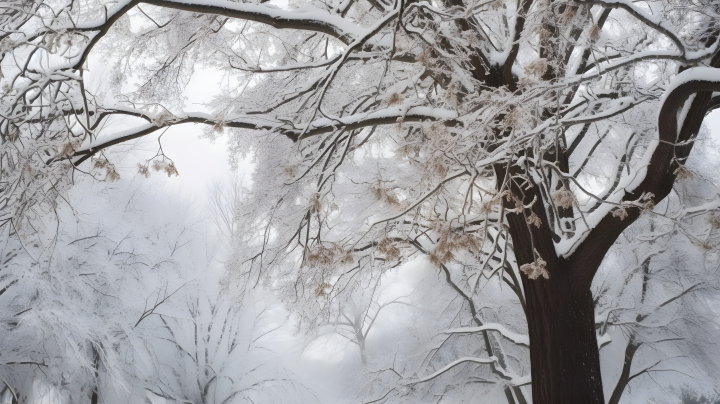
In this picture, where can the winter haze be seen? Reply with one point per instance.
(359, 201)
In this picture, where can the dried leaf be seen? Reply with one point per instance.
(395, 99)
(683, 173)
(535, 269)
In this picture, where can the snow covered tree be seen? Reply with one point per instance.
(660, 318)
(660, 312)
(358, 315)
(74, 305)
(462, 346)
(486, 134)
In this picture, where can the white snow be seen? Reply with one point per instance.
(513, 336)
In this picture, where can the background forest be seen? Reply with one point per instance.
(506, 201)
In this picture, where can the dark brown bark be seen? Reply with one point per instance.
(563, 346)
(564, 356)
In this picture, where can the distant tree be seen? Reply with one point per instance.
(661, 311)
(222, 351)
(689, 398)
(75, 305)
(530, 133)
(448, 361)
(357, 320)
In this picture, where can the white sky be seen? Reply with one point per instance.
(713, 122)
(199, 161)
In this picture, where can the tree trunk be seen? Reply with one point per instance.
(361, 344)
(625, 377)
(96, 367)
(564, 355)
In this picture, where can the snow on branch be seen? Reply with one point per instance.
(155, 122)
(617, 107)
(705, 207)
(323, 125)
(512, 336)
(384, 116)
(657, 157)
(455, 363)
(521, 380)
(305, 18)
(653, 21)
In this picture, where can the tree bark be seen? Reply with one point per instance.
(564, 355)
(564, 352)
(96, 368)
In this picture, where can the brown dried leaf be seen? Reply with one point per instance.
(395, 99)
(714, 220)
(315, 204)
(535, 269)
(534, 220)
(683, 173)
(389, 249)
(568, 14)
